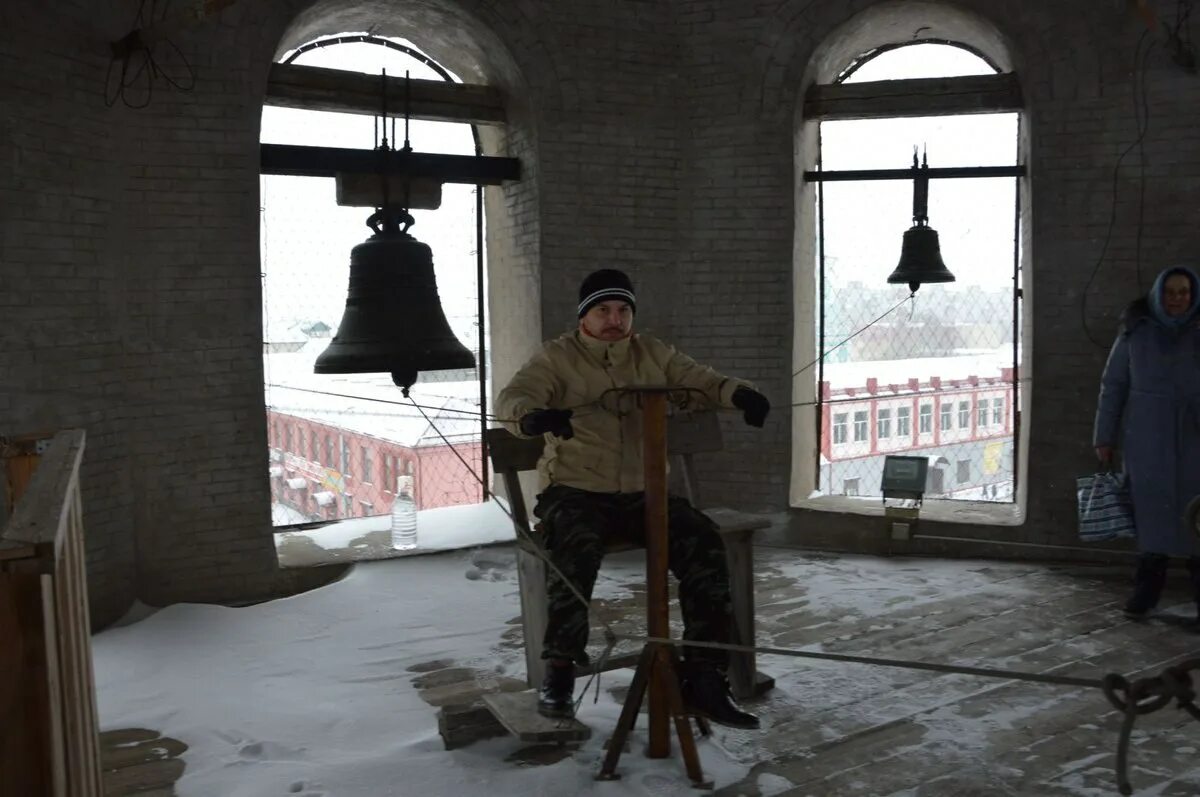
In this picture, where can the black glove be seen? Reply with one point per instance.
(754, 405)
(556, 422)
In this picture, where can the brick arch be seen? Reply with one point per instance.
(482, 41)
(805, 42)
(818, 51)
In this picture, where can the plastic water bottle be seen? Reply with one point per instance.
(404, 516)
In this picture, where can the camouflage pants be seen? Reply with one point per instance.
(579, 524)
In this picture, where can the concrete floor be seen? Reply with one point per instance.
(849, 729)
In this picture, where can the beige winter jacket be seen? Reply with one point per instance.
(573, 372)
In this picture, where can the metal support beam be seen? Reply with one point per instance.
(313, 88)
(301, 161)
(847, 175)
(941, 96)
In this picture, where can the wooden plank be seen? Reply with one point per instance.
(16, 755)
(127, 754)
(54, 689)
(314, 88)
(366, 191)
(730, 521)
(914, 97)
(16, 550)
(935, 173)
(517, 711)
(509, 452)
(618, 662)
(136, 780)
(25, 724)
(90, 722)
(40, 517)
(299, 161)
(83, 749)
(658, 618)
(18, 472)
(742, 665)
(531, 580)
(69, 663)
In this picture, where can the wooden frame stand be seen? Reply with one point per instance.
(658, 665)
(657, 674)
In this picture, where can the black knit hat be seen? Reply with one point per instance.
(604, 285)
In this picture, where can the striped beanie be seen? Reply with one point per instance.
(607, 284)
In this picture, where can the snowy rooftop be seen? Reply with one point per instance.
(370, 403)
(982, 364)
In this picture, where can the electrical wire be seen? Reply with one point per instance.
(1141, 123)
(135, 48)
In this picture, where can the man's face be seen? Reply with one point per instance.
(1177, 294)
(611, 320)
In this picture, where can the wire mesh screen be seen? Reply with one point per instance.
(349, 446)
(937, 375)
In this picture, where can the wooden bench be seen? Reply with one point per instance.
(687, 435)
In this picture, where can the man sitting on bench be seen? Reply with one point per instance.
(592, 488)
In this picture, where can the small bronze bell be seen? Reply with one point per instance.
(921, 254)
(393, 321)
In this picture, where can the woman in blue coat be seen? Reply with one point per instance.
(1152, 381)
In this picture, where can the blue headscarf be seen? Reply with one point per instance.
(1156, 298)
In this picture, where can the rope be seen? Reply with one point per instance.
(1132, 698)
(954, 669)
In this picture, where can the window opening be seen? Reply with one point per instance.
(306, 244)
(959, 338)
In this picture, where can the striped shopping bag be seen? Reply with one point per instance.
(1105, 507)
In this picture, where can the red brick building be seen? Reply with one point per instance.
(962, 420)
(325, 472)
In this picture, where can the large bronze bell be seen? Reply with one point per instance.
(921, 254)
(920, 259)
(393, 321)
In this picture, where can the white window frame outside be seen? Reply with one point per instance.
(862, 429)
(840, 430)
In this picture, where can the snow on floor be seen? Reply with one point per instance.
(440, 529)
(310, 695)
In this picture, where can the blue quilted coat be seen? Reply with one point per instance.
(1149, 409)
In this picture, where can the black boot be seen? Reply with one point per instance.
(706, 694)
(555, 699)
(1148, 581)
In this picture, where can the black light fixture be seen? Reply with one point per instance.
(393, 321)
(921, 254)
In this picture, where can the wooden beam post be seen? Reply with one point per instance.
(940, 96)
(313, 88)
(366, 191)
(301, 161)
(654, 459)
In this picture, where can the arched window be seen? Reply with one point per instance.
(309, 227)
(882, 370)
